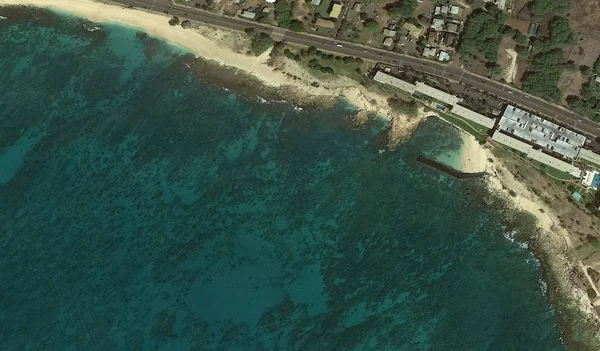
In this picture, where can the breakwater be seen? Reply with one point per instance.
(447, 169)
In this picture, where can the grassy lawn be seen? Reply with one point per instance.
(551, 171)
(323, 8)
(477, 130)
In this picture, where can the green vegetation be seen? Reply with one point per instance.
(560, 31)
(174, 21)
(544, 74)
(323, 8)
(407, 108)
(327, 63)
(372, 25)
(540, 8)
(476, 130)
(585, 103)
(401, 9)
(289, 54)
(547, 62)
(261, 43)
(482, 34)
(284, 16)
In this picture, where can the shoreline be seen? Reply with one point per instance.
(201, 46)
(551, 246)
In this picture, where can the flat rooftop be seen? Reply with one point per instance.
(541, 132)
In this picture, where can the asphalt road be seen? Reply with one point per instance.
(503, 91)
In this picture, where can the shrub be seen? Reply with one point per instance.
(372, 25)
(401, 9)
(261, 43)
(174, 21)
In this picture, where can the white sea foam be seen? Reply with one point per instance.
(91, 29)
(3, 18)
(511, 236)
(543, 286)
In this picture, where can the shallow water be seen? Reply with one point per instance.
(144, 209)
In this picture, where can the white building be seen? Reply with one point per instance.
(541, 132)
(591, 179)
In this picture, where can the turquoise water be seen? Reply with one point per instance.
(146, 210)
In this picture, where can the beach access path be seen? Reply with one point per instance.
(503, 91)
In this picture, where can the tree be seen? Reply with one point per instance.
(539, 8)
(372, 25)
(261, 43)
(521, 39)
(174, 21)
(482, 33)
(312, 50)
(283, 13)
(401, 9)
(560, 31)
(544, 74)
(296, 26)
(249, 30)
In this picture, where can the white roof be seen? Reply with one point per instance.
(437, 23)
(437, 94)
(454, 10)
(473, 116)
(315, 2)
(540, 131)
(248, 14)
(588, 179)
(429, 51)
(589, 156)
(385, 78)
(537, 155)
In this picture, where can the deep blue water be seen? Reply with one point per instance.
(143, 209)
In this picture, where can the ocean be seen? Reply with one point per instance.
(145, 209)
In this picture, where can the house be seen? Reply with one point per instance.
(336, 10)
(315, 2)
(452, 27)
(449, 39)
(432, 36)
(454, 10)
(357, 7)
(388, 42)
(533, 27)
(597, 78)
(266, 9)
(323, 23)
(429, 52)
(389, 33)
(444, 9)
(437, 24)
(248, 14)
(501, 4)
(591, 179)
(413, 30)
(444, 56)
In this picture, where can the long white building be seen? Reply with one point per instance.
(537, 155)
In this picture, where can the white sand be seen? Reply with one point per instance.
(157, 25)
(473, 157)
(511, 72)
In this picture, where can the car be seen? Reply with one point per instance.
(510, 92)
(365, 51)
(337, 44)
